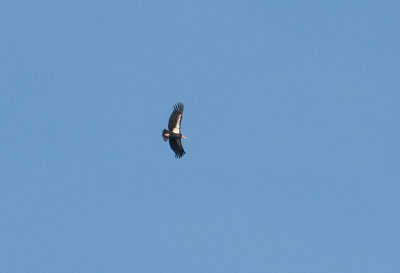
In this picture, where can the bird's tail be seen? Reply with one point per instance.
(165, 134)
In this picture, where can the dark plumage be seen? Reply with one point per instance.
(174, 131)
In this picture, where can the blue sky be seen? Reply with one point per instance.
(292, 124)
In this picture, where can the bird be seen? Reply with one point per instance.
(173, 134)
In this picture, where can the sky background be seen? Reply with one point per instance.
(292, 118)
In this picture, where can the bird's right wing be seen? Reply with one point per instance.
(175, 119)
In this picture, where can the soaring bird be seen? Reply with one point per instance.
(174, 131)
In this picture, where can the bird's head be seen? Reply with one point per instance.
(183, 136)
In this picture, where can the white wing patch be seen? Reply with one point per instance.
(177, 126)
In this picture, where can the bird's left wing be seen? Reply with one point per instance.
(176, 146)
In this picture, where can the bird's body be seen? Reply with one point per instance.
(173, 134)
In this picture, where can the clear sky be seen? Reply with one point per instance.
(292, 118)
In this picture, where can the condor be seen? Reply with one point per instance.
(174, 131)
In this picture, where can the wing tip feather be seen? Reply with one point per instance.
(179, 106)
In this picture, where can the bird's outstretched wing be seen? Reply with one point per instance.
(176, 146)
(175, 119)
